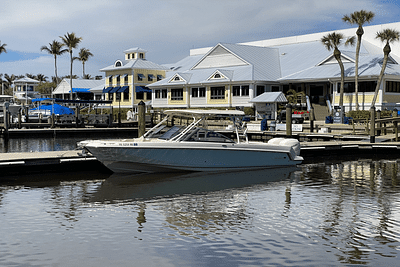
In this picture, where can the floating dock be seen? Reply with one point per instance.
(15, 164)
(12, 164)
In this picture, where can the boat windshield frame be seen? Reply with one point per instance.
(186, 133)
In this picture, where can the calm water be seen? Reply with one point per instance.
(38, 144)
(327, 214)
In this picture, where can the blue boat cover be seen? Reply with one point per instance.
(81, 90)
(56, 109)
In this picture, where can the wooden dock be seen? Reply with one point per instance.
(12, 164)
(17, 164)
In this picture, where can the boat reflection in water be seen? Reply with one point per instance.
(154, 185)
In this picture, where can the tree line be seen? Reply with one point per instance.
(66, 44)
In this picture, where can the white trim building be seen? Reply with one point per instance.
(230, 75)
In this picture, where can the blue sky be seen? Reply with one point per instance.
(167, 29)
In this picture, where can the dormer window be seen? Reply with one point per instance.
(217, 76)
(118, 63)
(141, 55)
(177, 78)
(129, 56)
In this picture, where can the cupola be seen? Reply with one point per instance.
(135, 53)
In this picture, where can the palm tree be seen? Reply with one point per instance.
(71, 41)
(55, 49)
(3, 48)
(41, 77)
(333, 41)
(84, 55)
(388, 36)
(359, 18)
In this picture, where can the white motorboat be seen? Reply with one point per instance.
(193, 147)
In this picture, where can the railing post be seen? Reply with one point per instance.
(372, 127)
(396, 130)
(312, 118)
(288, 120)
(378, 125)
(141, 118)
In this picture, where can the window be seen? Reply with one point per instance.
(260, 89)
(118, 79)
(177, 78)
(198, 92)
(218, 92)
(110, 79)
(111, 96)
(362, 87)
(118, 64)
(177, 94)
(392, 87)
(217, 76)
(141, 55)
(150, 77)
(240, 90)
(245, 90)
(140, 95)
(118, 96)
(236, 90)
(126, 96)
(157, 93)
(164, 93)
(126, 78)
(275, 89)
(159, 77)
(195, 92)
(129, 56)
(148, 95)
(140, 77)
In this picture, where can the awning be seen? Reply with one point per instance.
(141, 76)
(159, 77)
(115, 89)
(107, 90)
(142, 89)
(123, 89)
(81, 90)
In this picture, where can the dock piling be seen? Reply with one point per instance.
(288, 120)
(141, 118)
(372, 127)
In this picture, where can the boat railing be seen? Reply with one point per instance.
(188, 129)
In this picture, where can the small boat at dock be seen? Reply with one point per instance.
(194, 147)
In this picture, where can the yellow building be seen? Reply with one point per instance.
(127, 79)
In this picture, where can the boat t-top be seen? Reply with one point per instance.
(194, 147)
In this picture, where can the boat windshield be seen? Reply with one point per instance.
(195, 135)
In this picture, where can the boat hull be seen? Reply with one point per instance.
(131, 157)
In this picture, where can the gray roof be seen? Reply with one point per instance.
(26, 80)
(136, 64)
(290, 62)
(135, 49)
(269, 97)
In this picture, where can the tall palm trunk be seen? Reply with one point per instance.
(338, 58)
(70, 76)
(386, 51)
(55, 68)
(359, 33)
